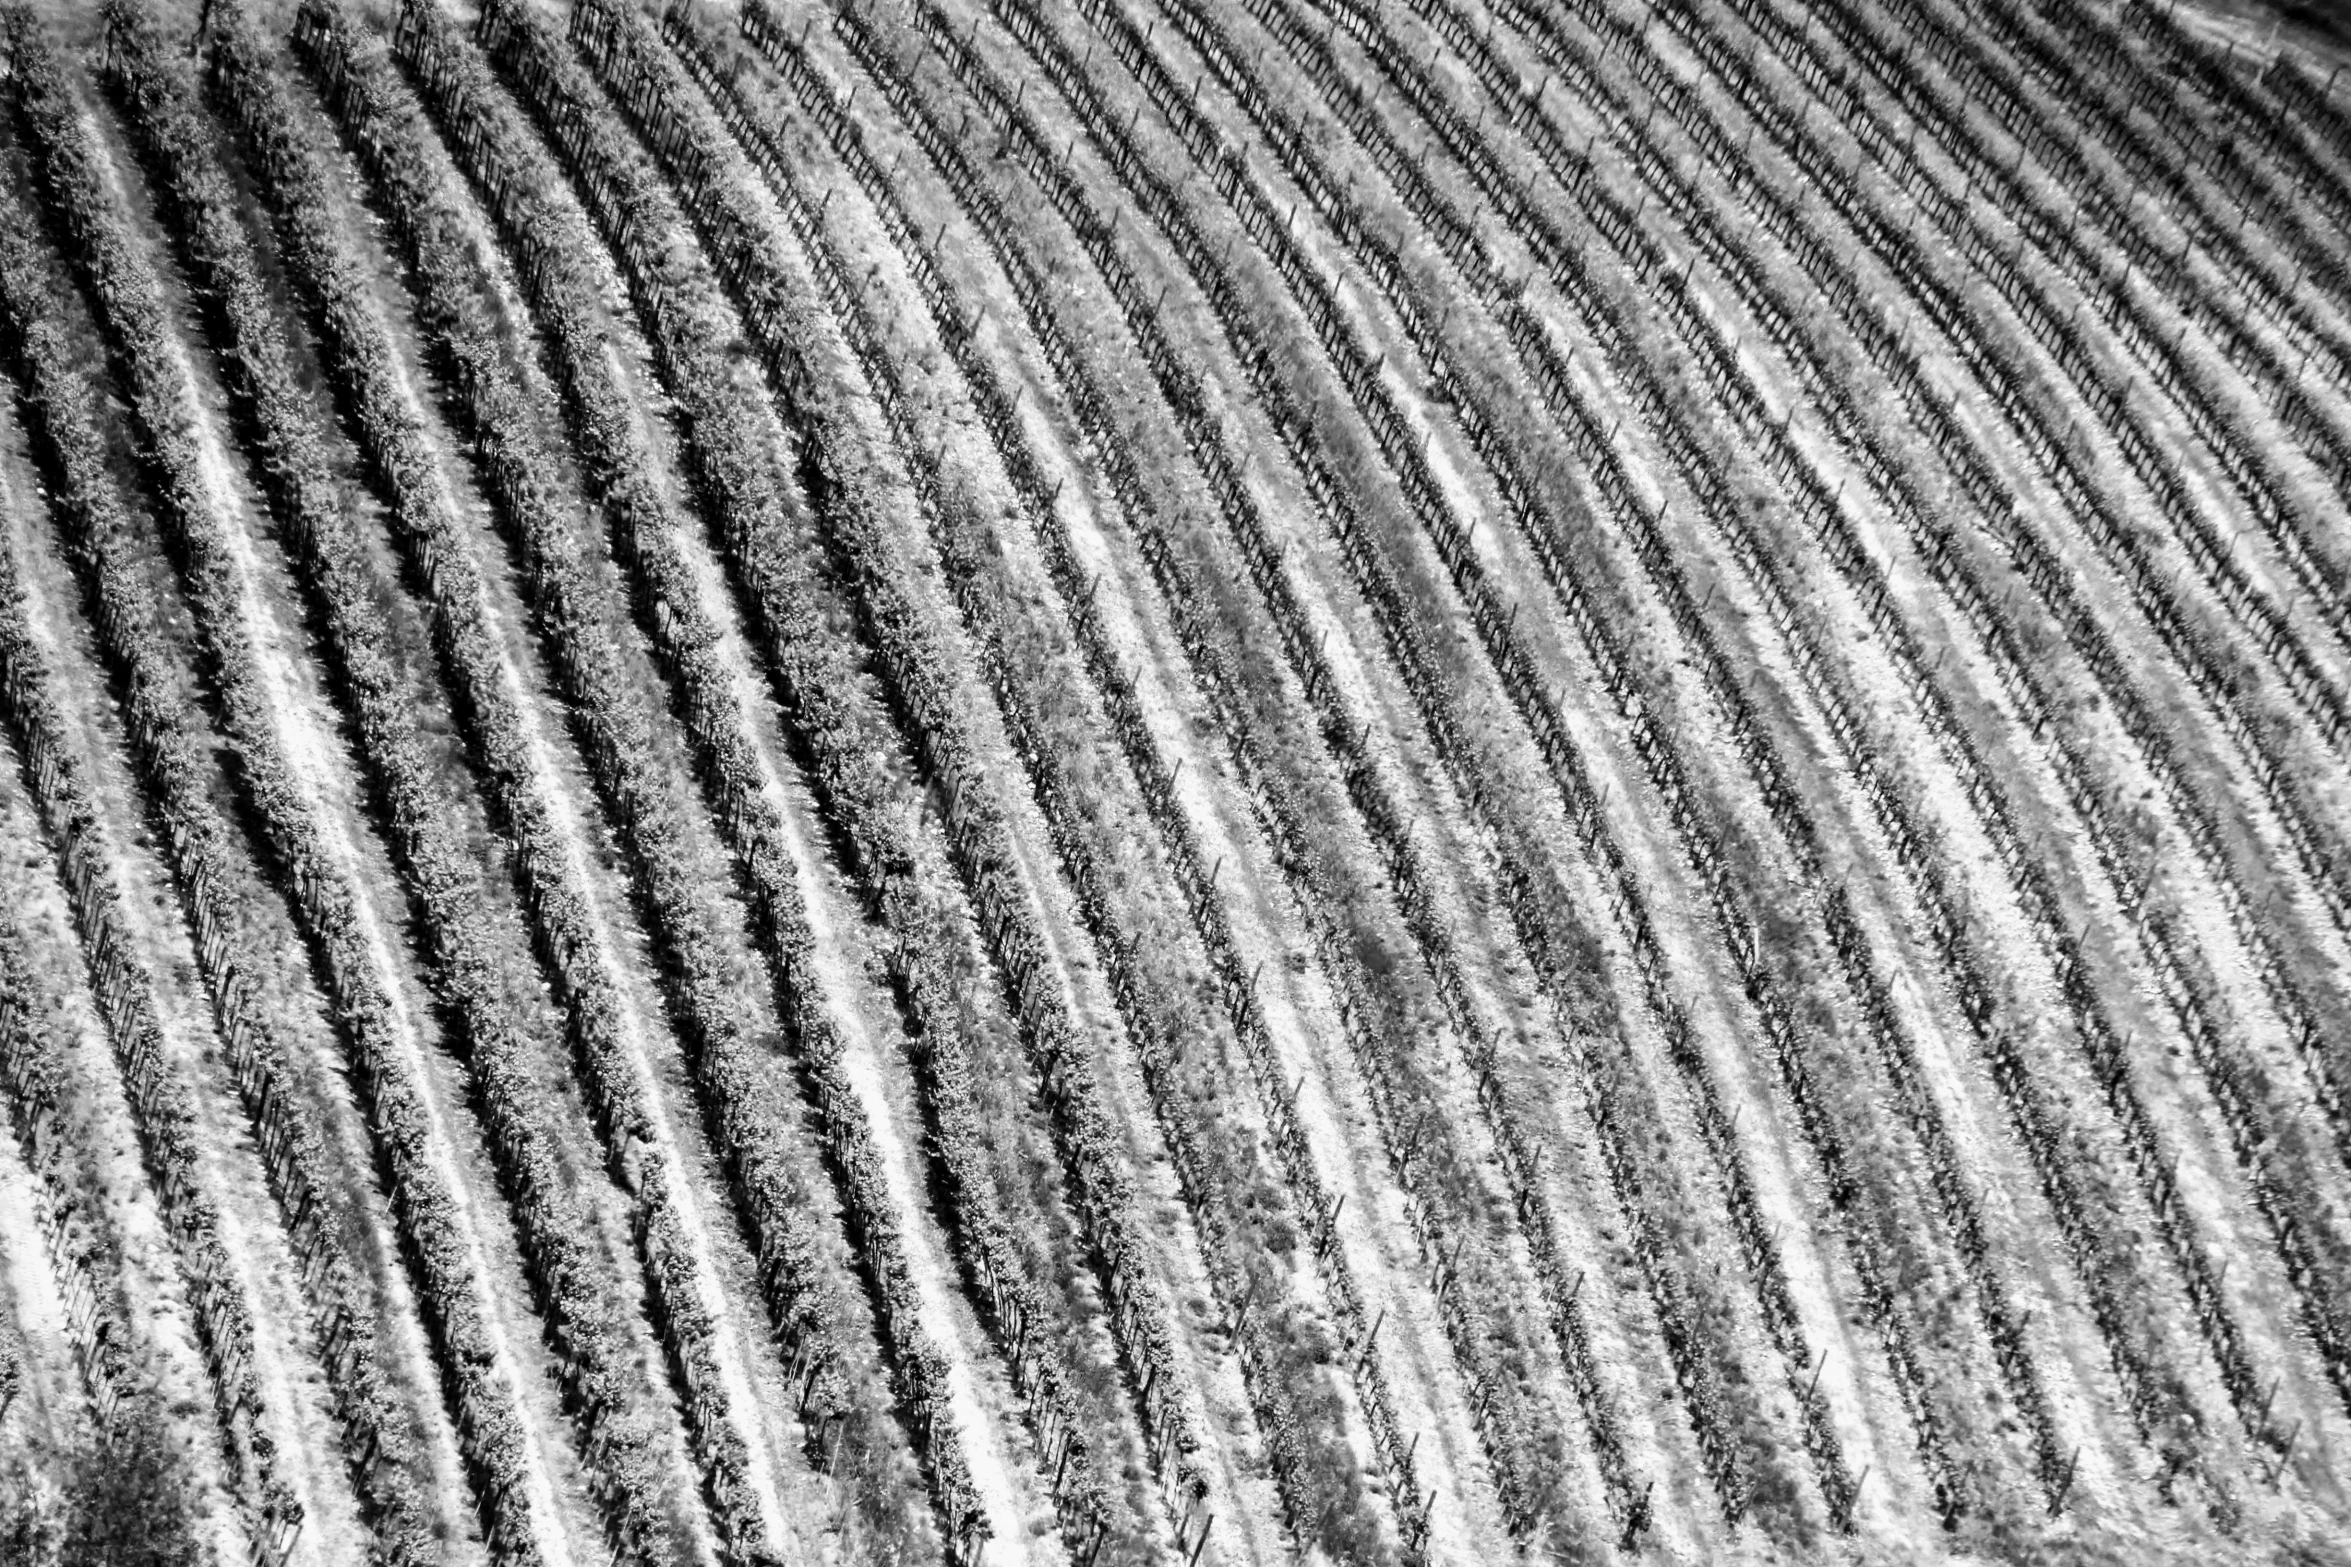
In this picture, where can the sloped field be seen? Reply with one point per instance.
(1156, 781)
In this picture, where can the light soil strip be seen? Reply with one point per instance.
(32, 1310)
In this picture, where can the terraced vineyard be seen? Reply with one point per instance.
(1149, 781)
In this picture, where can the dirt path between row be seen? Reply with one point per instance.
(50, 1394)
